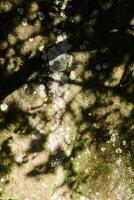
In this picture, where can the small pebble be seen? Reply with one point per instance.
(72, 75)
(104, 66)
(2, 180)
(103, 149)
(34, 137)
(20, 11)
(42, 93)
(57, 2)
(62, 15)
(118, 162)
(82, 198)
(82, 47)
(24, 22)
(86, 42)
(63, 7)
(41, 48)
(118, 150)
(4, 107)
(44, 57)
(42, 87)
(98, 67)
(41, 16)
(67, 139)
(124, 142)
(31, 39)
(19, 159)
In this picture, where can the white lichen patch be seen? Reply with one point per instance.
(59, 136)
(58, 103)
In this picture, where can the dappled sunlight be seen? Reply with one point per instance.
(23, 31)
(66, 100)
(5, 6)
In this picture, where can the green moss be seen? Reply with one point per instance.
(132, 187)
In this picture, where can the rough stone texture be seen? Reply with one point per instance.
(66, 101)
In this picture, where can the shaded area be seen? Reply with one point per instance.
(104, 29)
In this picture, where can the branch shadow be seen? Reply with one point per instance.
(107, 30)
